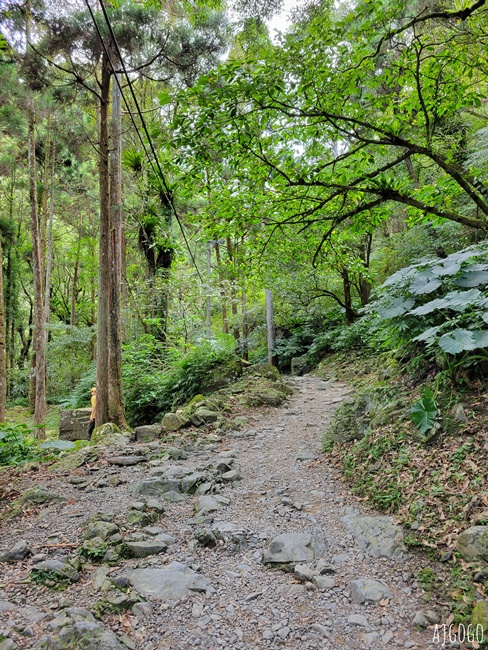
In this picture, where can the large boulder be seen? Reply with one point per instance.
(110, 434)
(289, 548)
(300, 365)
(74, 424)
(169, 583)
(204, 415)
(148, 432)
(221, 375)
(368, 591)
(172, 422)
(473, 543)
(57, 572)
(264, 370)
(378, 536)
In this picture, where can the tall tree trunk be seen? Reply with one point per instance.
(270, 324)
(225, 320)
(103, 364)
(3, 351)
(350, 314)
(74, 290)
(245, 329)
(364, 283)
(116, 395)
(43, 222)
(49, 257)
(11, 286)
(233, 293)
(38, 333)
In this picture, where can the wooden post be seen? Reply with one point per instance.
(208, 331)
(271, 327)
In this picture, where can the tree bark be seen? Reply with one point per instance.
(225, 321)
(3, 351)
(115, 394)
(49, 256)
(350, 314)
(271, 328)
(245, 329)
(74, 290)
(103, 365)
(39, 378)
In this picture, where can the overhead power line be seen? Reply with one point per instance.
(157, 172)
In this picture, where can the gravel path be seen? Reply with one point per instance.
(248, 605)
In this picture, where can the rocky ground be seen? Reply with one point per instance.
(248, 540)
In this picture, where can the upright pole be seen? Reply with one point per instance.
(271, 327)
(209, 250)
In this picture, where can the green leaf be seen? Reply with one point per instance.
(424, 412)
(57, 444)
(460, 300)
(447, 269)
(428, 335)
(164, 98)
(438, 303)
(459, 340)
(396, 308)
(425, 283)
(481, 338)
(472, 278)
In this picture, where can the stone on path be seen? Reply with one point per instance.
(323, 583)
(74, 628)
(125, 461)
(304, 572)
(378, 536)
(148, 432)
(368, 591)
(155, 486)
(305, 455)
(169, 583)
(172, 422)
(473, 543)
(56, 570)
(288, 548)
(358, 619)
(209, 503)
(424, 618)
(18, 552)
(204, 415)
(146, 548)
(103, 529)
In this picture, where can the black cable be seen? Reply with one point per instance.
(159, 172)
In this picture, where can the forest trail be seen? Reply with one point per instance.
(235, 600)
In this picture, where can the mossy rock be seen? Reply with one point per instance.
(39, 495)
(354, 417)
(264, 370)
(265, 396)
(195, 402)
(109, 434)
(480, 615)
(172, 422)
(221, 375)
(75, 459)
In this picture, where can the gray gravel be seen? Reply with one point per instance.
(286, 486)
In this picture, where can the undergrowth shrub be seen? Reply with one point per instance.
(438, 308)
(158, 379)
